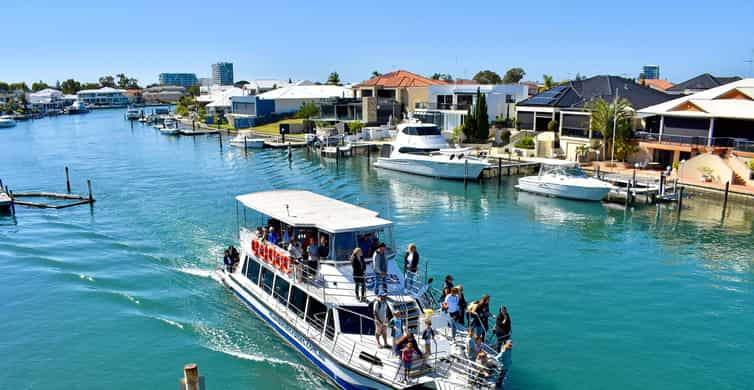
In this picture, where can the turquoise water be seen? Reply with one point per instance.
(119, 296)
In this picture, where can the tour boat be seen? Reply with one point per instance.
(7, 121)
(420, 148)
(245, 141)
(315, 310)
(564, 179)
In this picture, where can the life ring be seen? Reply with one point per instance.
(276, 260)
(268, 254)
(254, 247)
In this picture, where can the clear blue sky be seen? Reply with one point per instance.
(55, 40)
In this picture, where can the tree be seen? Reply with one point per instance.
(70, 86)
(307, 110)
(376, 73)
(240, 84)
(579, 77)
(122, 80)
(333, 79)
(487, 77)
(603, 118)
(442, 76)
(469, 125)
(90, 86)
(513, 75)
(193, 90)
(133, 83)
(548, 82)
(107, 81)
(20, 86)
(5, 87)
(38, 86)
(482, 120)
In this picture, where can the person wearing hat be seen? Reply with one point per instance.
(379, 312)
(446, 286)
(379, 263)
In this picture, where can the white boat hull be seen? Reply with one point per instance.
(340, 375)
(167, 131)
(251, 143)
(433, 168)
(548, 188)
(4, 124)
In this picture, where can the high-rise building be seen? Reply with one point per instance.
(651, 72)
(180, 79)
(222, 73)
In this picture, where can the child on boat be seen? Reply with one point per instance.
(407, 356)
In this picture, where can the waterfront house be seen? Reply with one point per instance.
(104, 97)
(718, 122)
(447, 105)
(289, 99)
(217, 99)
(45, 101)
(401, 88)
(700, 83)
(565, 104)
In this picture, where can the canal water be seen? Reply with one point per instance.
(120, 296)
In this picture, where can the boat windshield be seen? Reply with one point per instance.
(563, 170)
(421, 130)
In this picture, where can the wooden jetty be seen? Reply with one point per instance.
(630, 187)
(500, 166)
(67, 199)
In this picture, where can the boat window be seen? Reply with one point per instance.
(386, 150)
(575, 171)
(267, 278)
(408, 149)
(355, 320)
(344, 245)
(245, 265)
(298, 301)
(330, 329)
(325, 252)
(315, 314)
(427, 130)
(252, 272)
(281, 289)
(368, 241)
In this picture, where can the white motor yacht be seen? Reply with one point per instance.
(77, 107)
(7, 121)
(169, 126)
(312, 304)
(564, 179)
(133, 113)
(420, 148)
(247, 141)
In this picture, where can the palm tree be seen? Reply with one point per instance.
(376, 73)
(548, 83)
(333, 79)
(604, 116)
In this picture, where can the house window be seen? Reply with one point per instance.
(386, 93)
(366, 93)
(444, 102)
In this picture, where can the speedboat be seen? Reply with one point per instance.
(169, 126)
(564, 179)
(133, 113)
(7, 121)
(245, 141)
(420, 148)
(312, 305)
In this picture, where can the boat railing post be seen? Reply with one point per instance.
(352, 351)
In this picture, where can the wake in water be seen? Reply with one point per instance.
(203, 273)
(219, 340)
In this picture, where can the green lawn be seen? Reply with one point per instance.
(274, 127)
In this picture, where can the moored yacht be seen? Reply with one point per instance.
(77, 107)
(7, 121)
(169, 126)
(420, 148)
(312, 304)
(244, 140)
(564, 179)
(134, 113)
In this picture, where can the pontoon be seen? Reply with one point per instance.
(313, 306)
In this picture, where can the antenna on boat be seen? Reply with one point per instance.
(288, 210)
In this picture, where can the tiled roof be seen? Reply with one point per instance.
(702, 82)
(400, 78)
(657, 84)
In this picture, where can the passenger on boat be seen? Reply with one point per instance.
(379, 312)
(287, 235)
(396, 330)
(462, 304)
(407, 355)
(408, 338)
(227, 261)
(324, 247)
(359, 268)
(260, 233)
(272, 237)
(451, 305)
(478, 313)
(410, 265)
(294, 248)
(235, 257)
(474, 347)
(428, 335)
(379, 263)
(365, 243)
(447, 285)
(502, 327)
(313, 257)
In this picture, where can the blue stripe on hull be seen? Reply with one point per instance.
(291, 340)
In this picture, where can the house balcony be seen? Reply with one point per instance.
(442, 106)
(690, 143)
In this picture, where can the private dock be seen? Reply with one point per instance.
(9, 199)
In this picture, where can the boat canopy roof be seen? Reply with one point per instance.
(300, 208)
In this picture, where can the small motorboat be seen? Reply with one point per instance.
(564, 179)
(169, 127)
(134, 113)
(7, 121)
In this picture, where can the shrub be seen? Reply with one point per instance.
(552, 126)
(525, 143)
(751, 164)
(355, 127)
(676, 165)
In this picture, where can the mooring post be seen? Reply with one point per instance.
(369, 153)
(193, 125)
(89, 185)
(725, 199)
(132, 124)
(598, 171)
(679, 194)
(290, 151)
(628, 193)
(337, 154)
(662, 184)
(465, 173)
(191, 376)
(12, 202)
(499, 170)
(67, 181)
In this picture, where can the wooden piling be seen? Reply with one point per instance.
(67, 181)
(191, 376)
(499, 170)
(290, 152)
(89, 186)
(465, 173)
(725, 198)
(193, 125)
(12, 202)
(679, 194)
(662, 184)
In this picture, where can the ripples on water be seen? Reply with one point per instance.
(601, 297)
